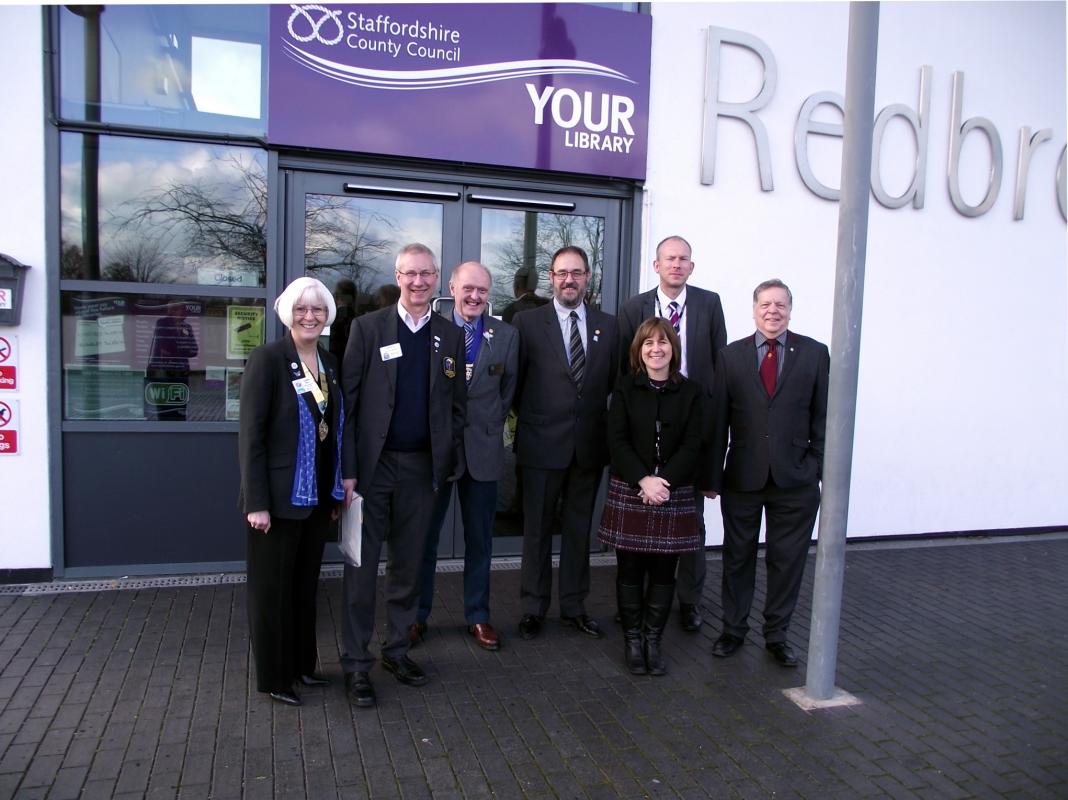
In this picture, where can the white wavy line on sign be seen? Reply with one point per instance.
(448, 77)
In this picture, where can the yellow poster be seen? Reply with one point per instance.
(244, 330)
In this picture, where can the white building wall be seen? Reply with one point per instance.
(25, 541)
(961, 420)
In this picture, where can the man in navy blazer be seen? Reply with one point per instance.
(491, 363)
(697, 316)
(404, 416)
(771, 397)
(568, 358)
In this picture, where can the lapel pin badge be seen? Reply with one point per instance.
(292, 364)
(449, 366)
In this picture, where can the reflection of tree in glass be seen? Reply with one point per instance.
(71, 261)
(217, 218)
(141, 260)
(551, 232)
(342, 240)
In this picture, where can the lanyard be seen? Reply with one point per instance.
(318, 388)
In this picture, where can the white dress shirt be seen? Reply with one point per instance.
(662, 307)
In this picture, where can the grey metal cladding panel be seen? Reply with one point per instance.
(151, 498)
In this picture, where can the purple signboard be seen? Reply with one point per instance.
(556, 87)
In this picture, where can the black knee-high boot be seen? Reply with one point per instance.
(629, 599)
(657, 611)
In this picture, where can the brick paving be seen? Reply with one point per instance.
(958, 653)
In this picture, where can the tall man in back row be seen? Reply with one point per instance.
(697, 316)
(568, 354)
(771, 398)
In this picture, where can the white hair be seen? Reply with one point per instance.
(283, 306)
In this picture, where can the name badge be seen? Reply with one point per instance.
(390, 352)
(302, 385)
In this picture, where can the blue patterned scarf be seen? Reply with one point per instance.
(305, 485)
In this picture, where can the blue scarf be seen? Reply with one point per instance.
(305, 488)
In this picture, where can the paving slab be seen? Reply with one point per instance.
(955, 649)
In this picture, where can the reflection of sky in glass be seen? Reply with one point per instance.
(222, 184)
(358, 237)
(226, 77)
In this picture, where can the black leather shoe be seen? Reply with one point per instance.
(782, 653)
(313, 679)
(690, 618)
(405, 670)
(727, 645)
(287, 698)
(585, 625)
(530, 626)
(360, 689)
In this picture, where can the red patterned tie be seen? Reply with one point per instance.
(769, 367)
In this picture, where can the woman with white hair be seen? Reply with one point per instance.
(290, 451)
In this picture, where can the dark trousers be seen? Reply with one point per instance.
(575, 488)
(396, 511)
(283, 578)
(478, 506)
(690, 578)
(790, 515)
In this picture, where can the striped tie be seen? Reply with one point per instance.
(578, 355)
(469, 337)
(673, 315)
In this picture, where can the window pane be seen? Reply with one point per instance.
(155, 211)
(193, 67)
(518, 245)
(351, 245)
(153, 357)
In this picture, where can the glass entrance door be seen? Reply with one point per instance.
(346, 231)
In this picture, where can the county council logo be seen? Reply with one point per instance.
(303, 17)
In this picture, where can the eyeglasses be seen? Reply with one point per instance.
(574, 274)
(301, 311)
(424, 274)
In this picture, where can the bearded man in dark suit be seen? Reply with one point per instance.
(568, 357)
(771, 398)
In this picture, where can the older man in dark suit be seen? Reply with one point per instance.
(568, 356)
(771, 397)
(697, 316)
(491, 363)
(405, 401)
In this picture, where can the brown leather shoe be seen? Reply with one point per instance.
(485, 636)
(416, 632)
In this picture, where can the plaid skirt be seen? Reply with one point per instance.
(628, 524)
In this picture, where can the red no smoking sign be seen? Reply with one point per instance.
(8, 363)
(9, 427)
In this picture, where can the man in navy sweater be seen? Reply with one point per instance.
(405, 402)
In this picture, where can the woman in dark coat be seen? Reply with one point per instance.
(650, 516)
(290, 452)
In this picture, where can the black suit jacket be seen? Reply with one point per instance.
(706, 331)
(370, 391)
(783, 434)
(555, 421)
(267, 436)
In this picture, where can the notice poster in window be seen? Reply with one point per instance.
(244, 330)
(233, 393)
(97, 337)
